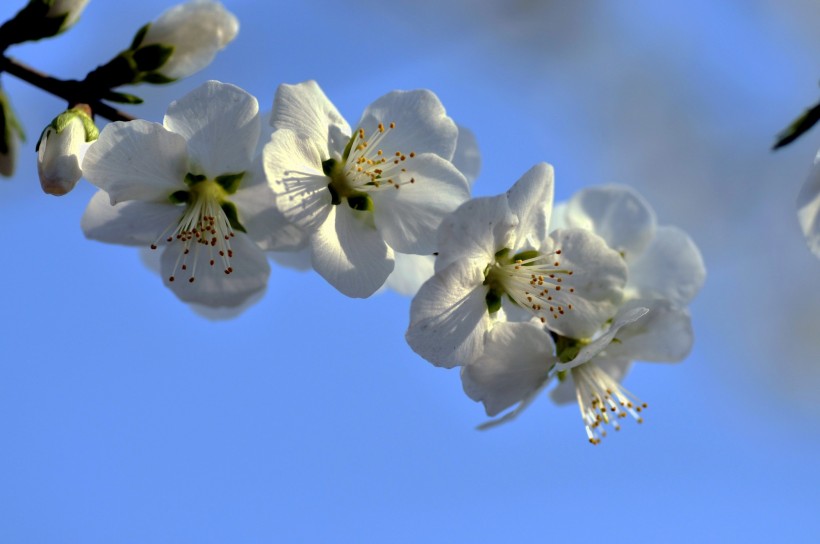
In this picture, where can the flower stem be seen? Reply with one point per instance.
(72, 91)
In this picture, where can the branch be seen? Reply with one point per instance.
(72, 91)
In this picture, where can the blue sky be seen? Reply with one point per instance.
(126, 417)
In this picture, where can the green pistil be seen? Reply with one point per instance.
(341, 189)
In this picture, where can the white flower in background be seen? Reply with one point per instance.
(358, 198)
(70, 9)
(194, 32)
(808, 208)
(495, 252)
(61, 149)
(190, 187)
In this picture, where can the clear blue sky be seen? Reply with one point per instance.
(127, 418)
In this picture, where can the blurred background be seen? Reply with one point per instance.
(125, 417)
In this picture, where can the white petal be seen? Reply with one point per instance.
(617, 214)
(221, 124)
(408, 218)
(137, 160)
(671, 268)
(514, 364)
(448, 316)
(476, 230)
(598, 277)
(808, 208)
(421, 124)
(410, 272)
(297, 260)
(662, 335)
(305, 110)
(467, 157)
(264, 222)
(212, 286)
(293, 167)
(625, 317)
(564, 393)
(530, 199)
(350, 254)
(132, 223)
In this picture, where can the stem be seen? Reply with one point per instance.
(71, 90)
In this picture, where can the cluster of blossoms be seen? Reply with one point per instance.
(510, 290)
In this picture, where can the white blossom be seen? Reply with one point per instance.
(359, 195)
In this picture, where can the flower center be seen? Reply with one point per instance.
(364, 168)
(207, 224)
(531, 280)
(602, 400)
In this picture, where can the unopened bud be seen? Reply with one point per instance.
(61, 149)
(10, 133)
(183, 40)
(68, 10)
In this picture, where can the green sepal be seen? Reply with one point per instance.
(525, 255)
(122, 98)
(493, 300)
(9, 124)
(139, 36)
(360, 202)
(335, 199)
(502, 254)
(567, 349)
(328, 166)
(155, 78)
(230, 182)
(193, 179)
(798, 127)
(179, 197)
(152, 57)
(230, 211)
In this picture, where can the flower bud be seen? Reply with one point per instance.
(61, 149)
(68, 10)
(183, 40)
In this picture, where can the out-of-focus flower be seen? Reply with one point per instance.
(808, 208)
(10, 133)
(494, 252)
(61, 149)
(183, 40)
(358, 198)
(190, 186)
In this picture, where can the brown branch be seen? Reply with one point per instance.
(72, 91)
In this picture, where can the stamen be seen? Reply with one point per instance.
(601, 399)
(370, 167)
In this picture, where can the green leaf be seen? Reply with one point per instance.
(122, 98)
(152, 57)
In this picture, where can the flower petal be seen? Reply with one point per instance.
(448, 316)
(564, 393)
(467, 157)
(264, 222)
(662, 335)
(132, 223)
(530, 199)
(410, 272)
(293, 167)
(671, 268)
(515, 363)
(598, 276)
(137, 160)
(350, 254)
(421, 124)
(476, 230)
(808, 208)
(616, 213)
(221, 124)
(212, 286)
(408, 217)
(305, 110)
